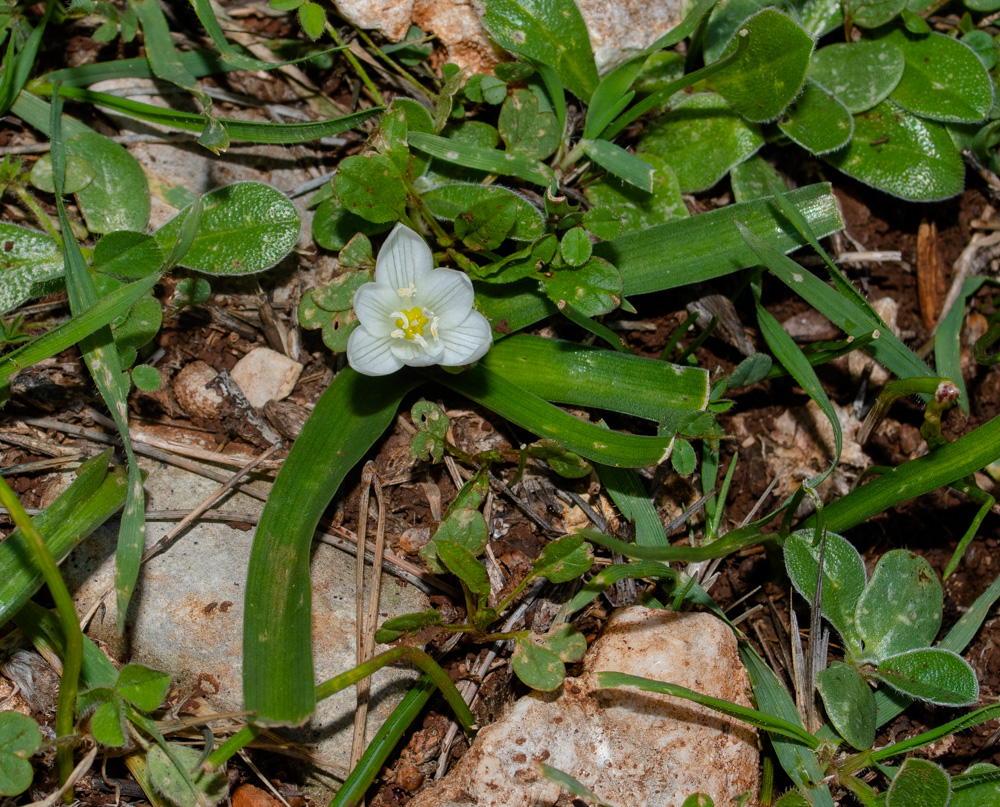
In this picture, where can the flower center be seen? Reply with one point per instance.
(411, 322)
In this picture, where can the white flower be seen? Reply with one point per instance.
(413, 313)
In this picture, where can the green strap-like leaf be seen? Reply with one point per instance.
(277, 648)
(471, 156)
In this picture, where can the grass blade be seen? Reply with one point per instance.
(470, 156)
(630, 497)
(545, 420)
(568, 373)
(101, 356)
(277, 639)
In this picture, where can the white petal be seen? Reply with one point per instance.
(467, 341)
(374, 305)
(404, 259)
(414, 354)
(370, 355)
(448, 293)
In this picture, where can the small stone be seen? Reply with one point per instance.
(250, 796)
(266, 375)
(628, 746)
(191, 392)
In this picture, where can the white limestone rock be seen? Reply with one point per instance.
(266, 375)
(629, 747)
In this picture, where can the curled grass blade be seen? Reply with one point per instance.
(545, 420)
(277, 637)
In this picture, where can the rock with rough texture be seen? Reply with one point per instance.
(266, 375)
(192, 393)
(629, 747)
(618, 29)
(187, 611)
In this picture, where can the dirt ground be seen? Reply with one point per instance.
(931, 525)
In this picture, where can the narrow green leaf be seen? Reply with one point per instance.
(494, 161)
(464, 565)
(620, 163)
(567, 782)
(610, 575)
(630, 497)
(545, 420)
(277, 649)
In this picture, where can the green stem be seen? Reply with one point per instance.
(73, 658)
(402, 72)
(240, 740)
(362, 73)
(36, 210)
(505, 603)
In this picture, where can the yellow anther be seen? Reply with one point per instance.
(411, 322)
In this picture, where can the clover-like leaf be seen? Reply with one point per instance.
(450, 200)
(566, 642)
(537, 666)
(19, 739)
(79, 174)
(527, 126)
(338, 294)
(357, 252)
(575, 246)
(683, 459)
(333, 225)
(849, 703)
(108, 723)
(143, 687)
(487, 222)
(564, 559)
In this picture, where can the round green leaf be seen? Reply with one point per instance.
(245, 227)
(900, 609)
(849, 703)
(985, 6)
(575, 247)
(566, 642)
(538, 667)
(370, 187)
(169, 781)
(860, 74)
(146, 378)
(701, 138)
(357, 252)
(902, 154)
(312, 18)
(118, 196)
(140, 326)
(931, 674)
(769, 73)
(338, 330)
(19, 739)
(638, 209)
(944, 79)
(564, 559)
(683, 458)
(984, 46)
(143, 687)
(604, 222)
(333, 227)
(484, 226)
(919, 783)
(526, 127)
(191, 291)
(872, 13)
(593, 288)
(128, 254)
(819, 17)
(79, 174)
(817, 121)
(107, 724)
(452, 199)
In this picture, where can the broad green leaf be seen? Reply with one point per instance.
(621, 163)
(575, 246)
(986, 6)
(537, 666)
(985, 793)
(19, 739)
(698, 800)
(128, 254)
(277, 651)
(245, 228)
(29, 263)
(357, 252)
(751, 370)
(338, 294)
(491, 160)
(593, 288)
(484, 226)
(819, 17)
(369, 186)
(849, 703)
(79, 174)
(930, 674)
(464, 565)
(701, 138)
(172, 782)
(333, 226)
(765, 78)
(564, 560)
(683, 460)
(312, 18)
(919, 783)
(566, 641)
(393, 628)
(463, 525)
(432, 430)
(549, 31)
(335, 326)
(604, 222)
(860, 74)
(143, 687)
(984, 46)
(723, 23)
(844, 579)
(943, 79)
(640, 210)
(753, 179)
(451, 200)
(528, 128)
(900, 609)
(817, 120)
(545, 420)
(902, 155)
(871, 13)
(107, 723)
(118, 197)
